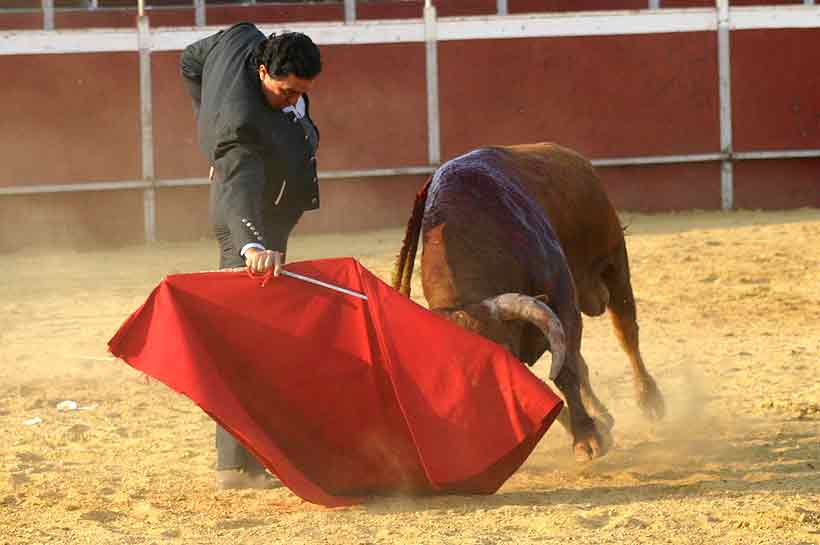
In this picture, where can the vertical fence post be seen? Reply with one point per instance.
(654, 4)
(350, 11)
(725, 89)
(48, 14)
(501, 7)
(199, 12)
(431, 57)
(146, 124)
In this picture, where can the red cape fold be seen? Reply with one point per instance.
(338, 396)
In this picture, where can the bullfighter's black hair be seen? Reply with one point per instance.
(289, 53)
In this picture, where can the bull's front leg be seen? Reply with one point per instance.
(588, 440)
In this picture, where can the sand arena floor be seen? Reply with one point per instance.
(729, 306)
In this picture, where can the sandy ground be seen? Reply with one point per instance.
(730, 312)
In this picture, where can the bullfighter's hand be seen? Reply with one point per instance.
(263, 261)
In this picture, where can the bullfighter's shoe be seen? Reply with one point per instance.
(237, 479)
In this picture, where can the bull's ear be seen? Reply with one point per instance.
(542, 297)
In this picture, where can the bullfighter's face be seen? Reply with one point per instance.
(283, 91)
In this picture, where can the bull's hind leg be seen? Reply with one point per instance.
(623, 313)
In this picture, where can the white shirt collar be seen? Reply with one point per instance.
(298, 109)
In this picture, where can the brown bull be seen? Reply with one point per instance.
(532, 221)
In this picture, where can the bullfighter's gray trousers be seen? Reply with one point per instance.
(230, 454)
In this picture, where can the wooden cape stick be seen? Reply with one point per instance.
(304, 278)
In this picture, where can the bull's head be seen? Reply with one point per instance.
(493, 319)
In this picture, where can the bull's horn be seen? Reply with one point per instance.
(517, 306)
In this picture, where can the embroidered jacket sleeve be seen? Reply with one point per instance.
(239, 161)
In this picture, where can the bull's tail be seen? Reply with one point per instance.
(403, 269)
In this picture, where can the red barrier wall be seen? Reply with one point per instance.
(180, 12)
(70, 118)
(182, 213)
(368, 203)
(654, 188)
(528, 6)
(776, 184)
(415, 8)
(75, 118)
(776, 89)
(21, 21)
(176, 151)
(81, 220)
(261, 14)
(370, 105)
(606, 96)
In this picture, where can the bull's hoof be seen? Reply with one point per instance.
(650, 400)
(592, 444)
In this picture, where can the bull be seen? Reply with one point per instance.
(516, 243)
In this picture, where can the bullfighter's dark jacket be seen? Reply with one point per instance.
(263, 158)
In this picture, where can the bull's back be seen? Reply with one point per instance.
(484, 234)
(566, 186)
